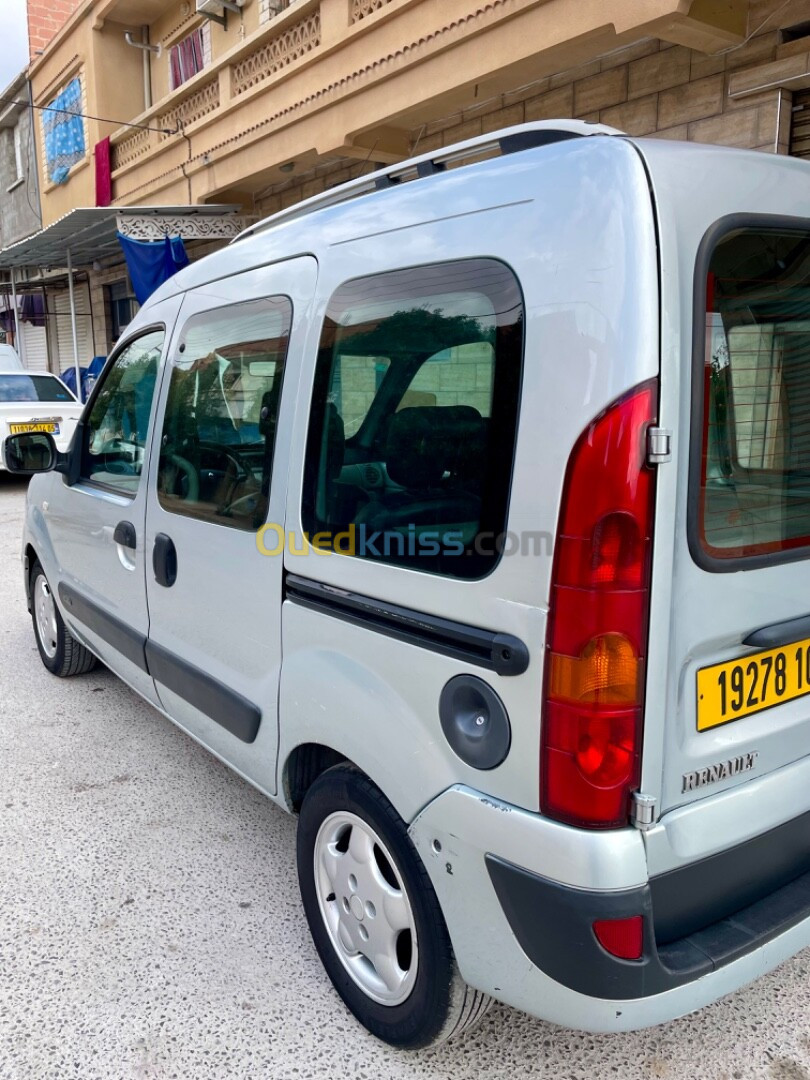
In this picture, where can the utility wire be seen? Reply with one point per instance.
(87, 116)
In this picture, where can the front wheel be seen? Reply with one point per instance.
(374, 916)
(61, 653)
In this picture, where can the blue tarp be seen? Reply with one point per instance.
(89, 376)
(151, 262)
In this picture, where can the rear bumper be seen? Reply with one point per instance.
(710, 927)
(572, 956)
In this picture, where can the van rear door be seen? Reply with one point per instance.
(740, 626)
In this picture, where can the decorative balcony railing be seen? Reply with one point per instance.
(291, 44)
(130, 149)
(203, 101)
(287, 36)
(361, 9)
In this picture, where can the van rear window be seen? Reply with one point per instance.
(754, 497)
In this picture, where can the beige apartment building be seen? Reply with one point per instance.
(254, 106)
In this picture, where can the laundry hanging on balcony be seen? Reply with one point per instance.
(102, 154)
(151, 262)
(64, 132)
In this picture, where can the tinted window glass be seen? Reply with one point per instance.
(755, 475)
(33, 388)
(219, 428)
(117, 427)
(414, 417)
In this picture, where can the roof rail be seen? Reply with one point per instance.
(509, 140)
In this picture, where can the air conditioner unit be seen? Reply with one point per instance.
(215, 9)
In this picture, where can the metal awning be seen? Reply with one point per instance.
(90, 234)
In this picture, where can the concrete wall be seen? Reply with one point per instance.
(19, 198)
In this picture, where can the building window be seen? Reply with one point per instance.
(187, 58)
(268, 9)
(123, 307)
(63, 127)
(18, 153)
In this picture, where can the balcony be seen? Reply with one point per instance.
(329, 80)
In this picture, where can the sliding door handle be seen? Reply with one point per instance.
(164, 560)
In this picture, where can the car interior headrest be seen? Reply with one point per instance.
(425, 442)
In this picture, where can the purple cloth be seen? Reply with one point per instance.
(32, 309)
(103, 173)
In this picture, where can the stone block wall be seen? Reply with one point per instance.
(650, 88)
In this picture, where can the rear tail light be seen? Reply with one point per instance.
(592, 717)
(620, 937)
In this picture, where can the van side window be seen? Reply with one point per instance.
(414, 415)
(116, 429)
(755, 467)
(216, 454)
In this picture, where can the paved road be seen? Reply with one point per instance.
(150, 925)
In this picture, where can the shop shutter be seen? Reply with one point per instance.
(59, 303)
(34, 350)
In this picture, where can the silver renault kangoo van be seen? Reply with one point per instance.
(465, 511)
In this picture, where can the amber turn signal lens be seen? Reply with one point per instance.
(607, 672)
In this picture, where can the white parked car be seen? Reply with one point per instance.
(31, 402)
(465, 511)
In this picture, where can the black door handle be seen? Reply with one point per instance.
(125, 535)
(164, 560)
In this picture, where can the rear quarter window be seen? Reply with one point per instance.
(751, 429)
(414, 416)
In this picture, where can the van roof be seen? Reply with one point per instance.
(352, 210)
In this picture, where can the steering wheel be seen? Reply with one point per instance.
(241, 474)
(117, 467)
(192, 476)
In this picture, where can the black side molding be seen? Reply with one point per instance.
(27, 578)
(217, 701)
(224, 706)
(501, 653)
(783, 633)
(130, 643)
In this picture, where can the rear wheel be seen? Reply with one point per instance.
(374, 916)
(61, 653)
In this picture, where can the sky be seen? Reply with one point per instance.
(14, 54)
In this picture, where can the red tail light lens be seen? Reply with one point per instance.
(591, 744)
(620, 937)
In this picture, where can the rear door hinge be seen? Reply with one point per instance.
(659, 445)
(643, 812)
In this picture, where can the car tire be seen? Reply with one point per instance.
(375, 918)
(59, 650)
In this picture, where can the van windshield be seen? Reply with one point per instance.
(755, 464)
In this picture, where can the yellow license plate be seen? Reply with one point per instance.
(26, 429)
(752, 683)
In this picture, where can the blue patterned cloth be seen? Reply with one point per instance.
(64, 134)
